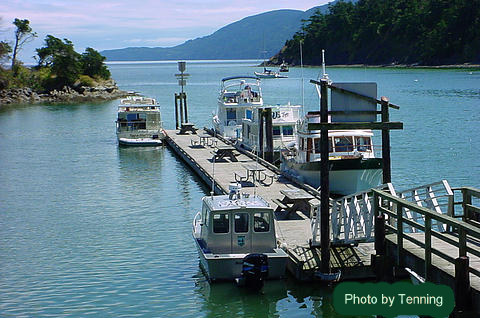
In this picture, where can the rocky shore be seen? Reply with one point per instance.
(106, 91)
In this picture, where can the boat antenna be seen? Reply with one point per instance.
(303, 85)
(325, 75)
(212, 192)
(254, 174)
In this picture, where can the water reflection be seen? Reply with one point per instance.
(279, 298)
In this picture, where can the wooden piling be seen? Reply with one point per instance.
(177, 125)
(324, 182)
(268, 135)
(462, 283)
(387, 171)
(260, 133)
(184, 97)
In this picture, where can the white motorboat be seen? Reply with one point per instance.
(283, 67)
(284, 121)
(237, 95)
(235, 238)
(352, 162)
(139, 122)
(269, 74)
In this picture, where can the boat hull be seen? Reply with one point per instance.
(146, 142)
(228, 267)
(347, 176)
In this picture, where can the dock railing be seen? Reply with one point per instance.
(470, 203)
(390, 207)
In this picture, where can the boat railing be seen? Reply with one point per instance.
(196, 222)
(349, 150)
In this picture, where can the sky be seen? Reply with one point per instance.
(112, 24)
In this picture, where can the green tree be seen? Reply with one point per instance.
(92, 64)
(23, 34)
(5, 49)
(61, 58)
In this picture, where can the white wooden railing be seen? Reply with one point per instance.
(352, 216)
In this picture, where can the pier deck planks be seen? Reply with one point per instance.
(293, 234)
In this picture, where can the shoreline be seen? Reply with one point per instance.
(27, 95)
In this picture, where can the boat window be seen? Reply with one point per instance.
(363, 143)
(231, 114)
(288, 130)
(302, 143)
(248, 114)
(316, 144)
(261, 222)
(220, 223)
(131, 117)
(142, 116)
(343, 143)
(276, 130)
(241, 222)
(330, 145)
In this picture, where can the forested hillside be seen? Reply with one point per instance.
(375, 32)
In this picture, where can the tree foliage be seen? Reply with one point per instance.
(426, 32)
(23, 34)
(61, 58)
(5, 50)
(92, 64)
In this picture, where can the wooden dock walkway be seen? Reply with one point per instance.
(294, 233)
(447, 253)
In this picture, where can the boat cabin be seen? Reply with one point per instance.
(236, 224)
(133, 117)
(340, 142)
(284, 120)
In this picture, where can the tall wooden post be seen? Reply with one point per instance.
(462, 283)
(260, 133)
(387, 170)
(177, 125)
(184, 97)
(324, 182)
(181, 108)
(268, 135)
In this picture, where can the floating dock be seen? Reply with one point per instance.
(293, 233)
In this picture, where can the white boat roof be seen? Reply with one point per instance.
(229, 78)
(334, 133)
(138, 101)
(222, 202)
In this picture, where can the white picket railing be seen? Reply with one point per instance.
(352, 218)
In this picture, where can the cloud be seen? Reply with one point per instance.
(113, 24)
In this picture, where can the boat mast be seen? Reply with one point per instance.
(303, 84)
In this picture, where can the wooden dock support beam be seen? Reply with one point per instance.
(180, 100)
(462, 283)
(324, 182)
(267, 115)
(387, 170)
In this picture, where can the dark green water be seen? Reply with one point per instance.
(88, 229)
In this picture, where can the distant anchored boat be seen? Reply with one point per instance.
(269, 74)
(139, 122)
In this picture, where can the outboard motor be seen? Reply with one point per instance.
(255, 270)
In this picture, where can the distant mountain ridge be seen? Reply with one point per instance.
(244, 39)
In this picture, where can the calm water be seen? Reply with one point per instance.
(90, 229)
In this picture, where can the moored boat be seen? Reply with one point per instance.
(269, 74)
(284, 121)
(352, 162)
(139, 122)
(235, 238)
(237, 95)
